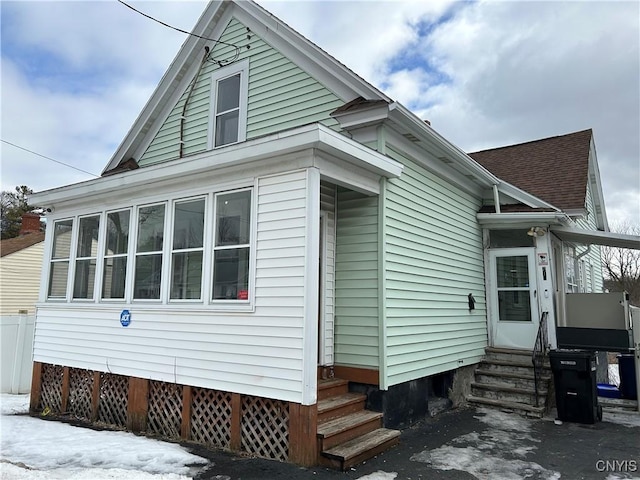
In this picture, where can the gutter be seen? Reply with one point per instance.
(515, 217)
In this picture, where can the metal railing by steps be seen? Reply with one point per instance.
(540, 350)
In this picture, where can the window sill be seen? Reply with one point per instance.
(150, 307)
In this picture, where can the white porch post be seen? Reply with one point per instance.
(312, 247)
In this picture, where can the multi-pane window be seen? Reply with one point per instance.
(570, 269)
(227, 110)
(232, 239)
(229, 90)
(148, 270)
(115, 255)
(187, 250)
(136, 263)
(86, 256)
(61, 252)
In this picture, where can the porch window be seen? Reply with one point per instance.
(148, 270)
(232, 246)
(229, 109)
(570, 269)
(86, 256)
(115, 255)
(187, 250)
(61, 252)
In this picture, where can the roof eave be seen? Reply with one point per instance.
(314, 136)
(399, 113)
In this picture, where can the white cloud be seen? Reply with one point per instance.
(76, 74)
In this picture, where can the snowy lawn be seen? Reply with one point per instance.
(33, 448)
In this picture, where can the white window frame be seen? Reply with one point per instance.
(76, 258)
(164, 251)
(127, 255)
(569, 253)
(206, 302)
(234, 303)
(241, 67)
(70, 260)
(202, 249)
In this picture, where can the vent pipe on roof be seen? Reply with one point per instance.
(496, 198)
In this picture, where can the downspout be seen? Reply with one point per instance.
(496, 198)
(586, 252)
(183, 117)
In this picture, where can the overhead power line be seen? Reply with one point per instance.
(48, 158)
(175, 28)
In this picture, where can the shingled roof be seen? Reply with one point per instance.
(553, 169)
(13, 245)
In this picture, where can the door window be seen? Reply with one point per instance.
(514, 299)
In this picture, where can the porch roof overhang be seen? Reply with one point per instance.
(515, 219)
(313, 137)
(596, 237)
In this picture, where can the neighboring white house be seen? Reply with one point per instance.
(20, 270)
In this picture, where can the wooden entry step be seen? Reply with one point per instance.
(332, 387)
(347, 433)
(361, 448)
(341, 429)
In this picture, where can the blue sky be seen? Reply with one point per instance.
(76, 74)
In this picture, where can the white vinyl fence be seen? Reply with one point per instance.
(16, 365)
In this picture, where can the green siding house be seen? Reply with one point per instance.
(272, 228)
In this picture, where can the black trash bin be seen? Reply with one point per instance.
(574, 374)
(627, 370)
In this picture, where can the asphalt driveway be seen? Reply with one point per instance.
(471, 443)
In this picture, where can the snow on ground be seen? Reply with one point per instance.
(483, 454)
(32, 448)
(36, 449)
(379, 475)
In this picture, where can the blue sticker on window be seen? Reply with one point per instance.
(125, 318)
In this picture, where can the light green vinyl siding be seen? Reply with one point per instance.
(592, 261)
(356, 322)
(281, 96)
(434, 259)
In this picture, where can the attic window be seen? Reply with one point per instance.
(229, 86)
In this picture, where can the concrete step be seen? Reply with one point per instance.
(332, 387)
(510, 366)
(511, 354)
(340, 405)
(359, 449)
(512, 407)
(342, 429)
(514, 379)
(618, 404)
(509, 393)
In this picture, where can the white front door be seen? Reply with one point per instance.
(513, 298)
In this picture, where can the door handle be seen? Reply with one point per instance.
(535, 294)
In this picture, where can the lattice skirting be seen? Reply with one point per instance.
(51, 389)
(211, 417)
(165, 409)
(255, 425)
(80, 393)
